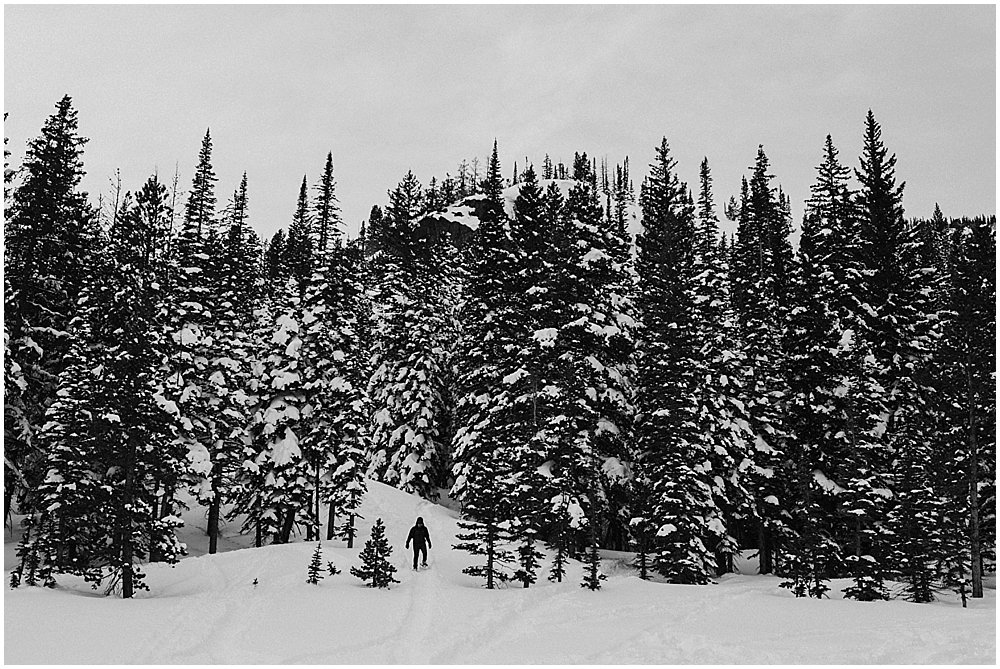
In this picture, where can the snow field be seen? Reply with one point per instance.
(206, 610)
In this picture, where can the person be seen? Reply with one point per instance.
(421, 539)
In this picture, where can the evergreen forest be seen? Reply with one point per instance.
(581, 365)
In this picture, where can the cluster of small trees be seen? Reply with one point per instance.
(685, 397)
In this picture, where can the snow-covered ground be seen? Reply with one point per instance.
(207, 610)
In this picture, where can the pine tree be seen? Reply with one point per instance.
(489, 367)
(679, 499)
(327, 217)
(591, 328)
(200, 209)
(375, 568)
(967, 394)
(335, 345)
(301, 244)
(824, 373)
(275, 271)
(49, 233)
(528, 556)
(110, 444)
(207, 308)
(722, 423)
(484, 532)
(413, 336)
(316, 565)
(279, 488)
(899, 328)
(759, 281)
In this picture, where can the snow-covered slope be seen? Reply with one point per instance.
(208, 610)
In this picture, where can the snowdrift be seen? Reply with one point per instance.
(208, 610)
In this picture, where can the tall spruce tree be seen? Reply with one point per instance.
(110, 445)
(968, 361)
(824, 381)
(49, 233)
(899, 327)
(301, 244)
(206, 368)
(200, 209)
(413, 323)
(668, 442)
(334, 369)
(722, 423)
(759, 279)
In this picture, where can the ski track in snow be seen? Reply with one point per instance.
(206, 610)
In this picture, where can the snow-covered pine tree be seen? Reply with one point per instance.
(334, 366)
(967, 367)
(899, 329)
(667, 440)
(820, 369)
(300, 246)
(279, 483)
(48, 234)
(206, 370)
(376, 570)
(761, 258)
(486, 527)
(489, 372)
(110, 446)
(721, 420)
(588, 381)
(411, 350)
(528, 312)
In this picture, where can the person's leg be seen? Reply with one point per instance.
(416, 551)
(423, 551)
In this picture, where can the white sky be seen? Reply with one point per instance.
(398, 87)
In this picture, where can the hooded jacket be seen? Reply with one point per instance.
(419, 535)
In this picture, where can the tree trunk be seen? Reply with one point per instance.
(128, 587)
(764, 549)
(489, 555)
(315, 524)
(213, 518)
(350, 536)
(286, 526)
(331, 521)
(8, 498)
(973, 438)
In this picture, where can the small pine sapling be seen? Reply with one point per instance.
(593, 575)
(869, 583)
(315, 565)
(375, 569)
(528, 558)
(332, 569)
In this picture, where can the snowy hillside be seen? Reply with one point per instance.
(208, 610)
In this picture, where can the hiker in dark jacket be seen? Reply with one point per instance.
(421, 539)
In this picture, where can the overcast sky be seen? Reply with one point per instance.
(392, 88)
